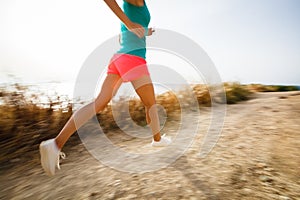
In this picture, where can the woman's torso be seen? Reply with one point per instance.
(137, 12)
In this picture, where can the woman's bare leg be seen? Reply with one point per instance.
(144, 88)
(110, 86)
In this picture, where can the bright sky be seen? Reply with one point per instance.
(251, 41)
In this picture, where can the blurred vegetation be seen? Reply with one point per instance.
(235, 92)
(26, 120)
(272, 88)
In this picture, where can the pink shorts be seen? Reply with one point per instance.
(128, 67)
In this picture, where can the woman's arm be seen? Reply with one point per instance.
(131, 26)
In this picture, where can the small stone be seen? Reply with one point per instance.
(189, 191)
(111, 195)
(117, 182)
(243, 178)
(284, 197)
(265, 178)
(247, 190)
(269, 169)
(15, 160)
(94, 194)
(261, 165)
(132, 196)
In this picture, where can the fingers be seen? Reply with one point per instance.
(137, 29)
(140, 31)
(150, 31)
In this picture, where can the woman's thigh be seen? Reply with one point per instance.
(144, 88)
(109, 88)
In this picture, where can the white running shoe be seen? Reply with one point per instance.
(164, 141)
(50, 156)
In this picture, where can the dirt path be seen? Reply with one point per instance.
(257, 157)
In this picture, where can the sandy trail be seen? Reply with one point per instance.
(257, 157)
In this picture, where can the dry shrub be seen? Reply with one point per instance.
(25, 121)
(235, 92)
(202, 94)
(172, 103)
(271, 88)
(136, 111)
(106, 119)
(24, 124)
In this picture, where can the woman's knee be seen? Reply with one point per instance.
(148, 104)
(101, 103)
(151, 107)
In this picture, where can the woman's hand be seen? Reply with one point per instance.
(137, 29)
(150, 31)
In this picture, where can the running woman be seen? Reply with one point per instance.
(127, 65)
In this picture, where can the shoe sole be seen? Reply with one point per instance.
(160, 145)
(44, 158)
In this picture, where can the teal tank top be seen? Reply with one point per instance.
(131, 43)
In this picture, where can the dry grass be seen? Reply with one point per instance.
(271, 88)
(235, 92)
(25, 121)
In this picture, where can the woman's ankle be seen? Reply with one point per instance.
(59, 147)
(156, 137)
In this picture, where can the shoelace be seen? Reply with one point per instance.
(61, 155)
